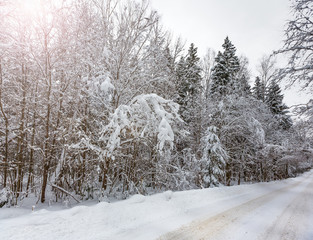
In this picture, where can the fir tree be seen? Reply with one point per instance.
(214, 158)
(188, 83)
(182, 87)
(274, 100)
(259, 89)
(245, 88)
(188, 73)
(225, 71)
(219, 76)
(232, 60)
(193, 73)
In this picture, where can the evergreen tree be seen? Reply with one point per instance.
(169, 59)
(194, 105)
(274, 100)
(244, 88)
(182, 87)
(188, 74)
(188, 85)
(214, 158)
(259, 89)
(193, 73)
(225, 71)
(232, 60)
(219, 76)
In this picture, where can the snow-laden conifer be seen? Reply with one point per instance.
(214, 158)
(224, 74)
(274, 100)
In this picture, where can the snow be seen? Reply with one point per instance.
(165, 134)
(106, 86)
(149, 112)
(240, 212)
(3, 195)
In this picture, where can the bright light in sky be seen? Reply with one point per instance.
(256, 27)
(30, 7)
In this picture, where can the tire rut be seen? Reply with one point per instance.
(287, 227)
(212, 227)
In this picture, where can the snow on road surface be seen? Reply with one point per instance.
(276, 210)
(285, 213)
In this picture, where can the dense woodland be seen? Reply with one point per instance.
(98, 100)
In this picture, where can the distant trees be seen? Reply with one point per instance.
(266, 88)
(243, 119)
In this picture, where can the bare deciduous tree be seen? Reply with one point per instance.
(299, 45)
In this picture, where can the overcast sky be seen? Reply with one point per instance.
(256, 27)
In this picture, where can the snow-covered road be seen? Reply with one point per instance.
(285, 213)
(276, 210)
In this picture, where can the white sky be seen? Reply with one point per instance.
(256, 27)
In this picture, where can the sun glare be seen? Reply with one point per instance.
(29, 7)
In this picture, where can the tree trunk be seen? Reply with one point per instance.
(20, 142)
(31, 157)
(228, 174)
(44, 182)
(47, 134)
(6, 144)
(46, 152)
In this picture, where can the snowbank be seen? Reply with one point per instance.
(137, 218)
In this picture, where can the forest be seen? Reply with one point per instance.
(98, 100)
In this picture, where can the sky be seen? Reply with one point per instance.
(255, 27)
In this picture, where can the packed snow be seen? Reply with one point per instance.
(275, 210)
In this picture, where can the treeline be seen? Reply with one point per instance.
(97, 100)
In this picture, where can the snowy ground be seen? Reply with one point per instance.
(277, 210)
